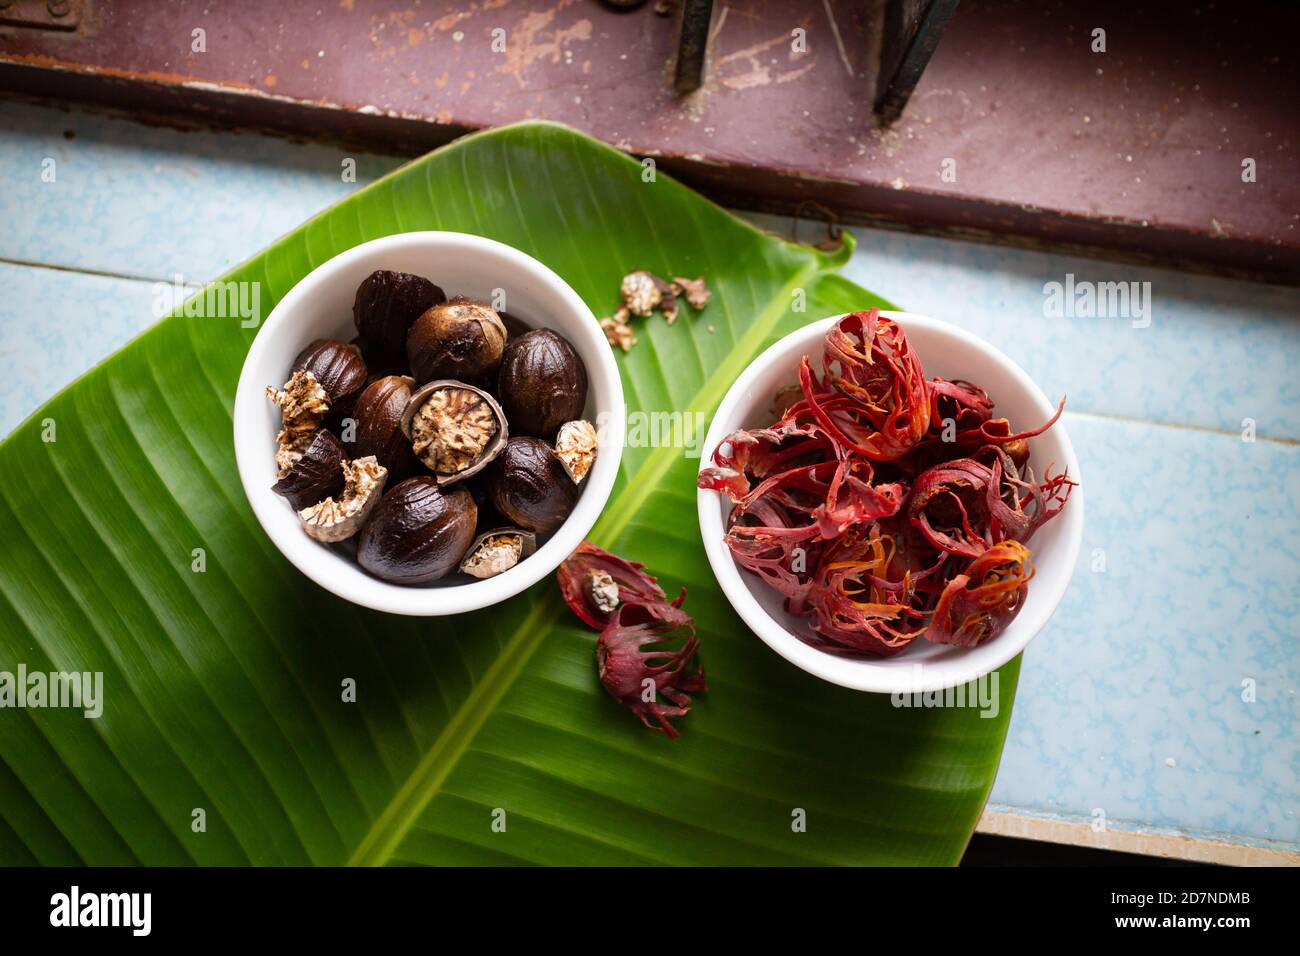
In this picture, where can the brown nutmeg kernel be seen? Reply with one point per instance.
(529, 486)
(454, 428)
(603, 590)
(1018, 450)
(458, 339)
(497, 551)
(316, 474)
(338, 367)
(642, 292)
(386, 305)
(418, 532)
(303, 405)
(334, 520)
(617, 332)
(542, 383)
(377, 426)
(576, 446)
(301, 398)
(696, 291)
(515, 326)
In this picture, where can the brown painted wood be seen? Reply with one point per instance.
(1135, 153)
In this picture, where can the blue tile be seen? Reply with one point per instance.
(148, 202)
(55, 325)
(1131, 700)
(1217, 350)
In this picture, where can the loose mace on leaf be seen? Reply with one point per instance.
(636, 623)
(885, 506)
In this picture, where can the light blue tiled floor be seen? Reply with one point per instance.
(1131, 702)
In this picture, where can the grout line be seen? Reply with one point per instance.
(101, 273)
(1101, 416)
(1125, 419)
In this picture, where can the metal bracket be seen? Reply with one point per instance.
(689, 75)
(41, 14)
(912, 31)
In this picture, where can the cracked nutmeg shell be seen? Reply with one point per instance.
(377, 421)
(529, 486)
(458, 339)
(454, 428)
(576, 446)
(336, 519)
(542, 383)
(418, 533)
(338, 367)
(386, 305)
(497, 551)
(316, 475)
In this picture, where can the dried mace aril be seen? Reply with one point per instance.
(638, 624)
(907, 503)
(873, 398)
(595, 584)
(982, 600)
(418, 532)
(387, 304)
(316, 475)
(458, 339)
(639, 674)
(530, 487)
(497, 551)
(378, 426)
(338, 367)
(542, 383)
(337, 519)
(455, 429)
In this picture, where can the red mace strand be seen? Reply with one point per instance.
(873, 397)
(984, 599)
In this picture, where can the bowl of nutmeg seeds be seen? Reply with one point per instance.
(429, 423)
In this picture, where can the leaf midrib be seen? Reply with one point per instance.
(396, 820)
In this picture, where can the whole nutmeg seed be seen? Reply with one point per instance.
(377, 426)
(529, 486)
(338, 367)
(542, 383)
(459, 339)
(515, 326)
(455, 429)
(316, 475)
(418, 532)
(386, 305)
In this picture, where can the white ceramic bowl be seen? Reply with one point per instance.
(948, 352)
(320, 306)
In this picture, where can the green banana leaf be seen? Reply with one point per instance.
(225, 737)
